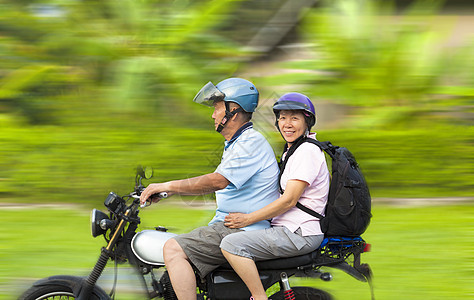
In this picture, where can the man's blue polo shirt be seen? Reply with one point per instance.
(249, 163)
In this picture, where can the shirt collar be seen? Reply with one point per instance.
(244, 127)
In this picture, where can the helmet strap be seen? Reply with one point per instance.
(306, 133)
(228, 115)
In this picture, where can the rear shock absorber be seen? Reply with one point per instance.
(287, 290)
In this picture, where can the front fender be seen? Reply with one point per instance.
(73, 282)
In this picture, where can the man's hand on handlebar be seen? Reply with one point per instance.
(153, 193)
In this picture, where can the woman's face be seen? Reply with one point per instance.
(292, 125)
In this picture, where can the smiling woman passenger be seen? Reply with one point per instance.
(292, 125)
(305, 180)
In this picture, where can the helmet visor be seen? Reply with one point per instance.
(289, 105)
(208, 95)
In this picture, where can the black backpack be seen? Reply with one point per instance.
(348, 208)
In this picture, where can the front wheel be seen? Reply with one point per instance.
(60, 287)
(49, 292)
(306, 293)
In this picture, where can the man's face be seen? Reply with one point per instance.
(219, 113)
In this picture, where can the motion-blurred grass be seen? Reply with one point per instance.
(417, 253)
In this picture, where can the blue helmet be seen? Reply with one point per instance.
(237, 90)
(240, 91)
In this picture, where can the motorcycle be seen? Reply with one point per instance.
(144, 251)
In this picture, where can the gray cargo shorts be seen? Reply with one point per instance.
(202, 246)
(270, 243)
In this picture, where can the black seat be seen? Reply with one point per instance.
(288, 262)
(282, 263)
(329, 246)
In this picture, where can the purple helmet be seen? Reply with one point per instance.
(296, 101)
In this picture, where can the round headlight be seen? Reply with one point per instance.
(96, 217)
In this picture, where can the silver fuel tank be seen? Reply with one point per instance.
(148, 246)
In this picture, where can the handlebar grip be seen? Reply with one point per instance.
(160, 196)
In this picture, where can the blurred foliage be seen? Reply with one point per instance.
(90, 89)
(390, 66)
(125, 54)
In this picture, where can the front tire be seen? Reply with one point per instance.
(48, 292)
(58, 292)
(303, 293)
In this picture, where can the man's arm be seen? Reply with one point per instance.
(199, 185)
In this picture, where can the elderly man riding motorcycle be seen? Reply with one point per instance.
(245, 181)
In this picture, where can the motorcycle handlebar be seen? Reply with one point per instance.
(159, 195)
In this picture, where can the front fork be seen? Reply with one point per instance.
(88, 284)
(91, 280)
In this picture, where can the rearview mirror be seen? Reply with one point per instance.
(144, 172)
(148, 171)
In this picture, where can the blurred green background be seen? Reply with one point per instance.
(90, 89)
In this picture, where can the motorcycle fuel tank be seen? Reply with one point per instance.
(148, 246)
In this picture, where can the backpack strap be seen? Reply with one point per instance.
(309, 211)
(325, 146)
(289, 153)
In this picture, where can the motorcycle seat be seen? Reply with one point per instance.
(288, 262)
(332, 244)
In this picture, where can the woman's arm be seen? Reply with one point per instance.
(293, 191)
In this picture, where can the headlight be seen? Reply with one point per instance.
(100, 222)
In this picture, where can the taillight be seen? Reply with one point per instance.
(367, 247)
